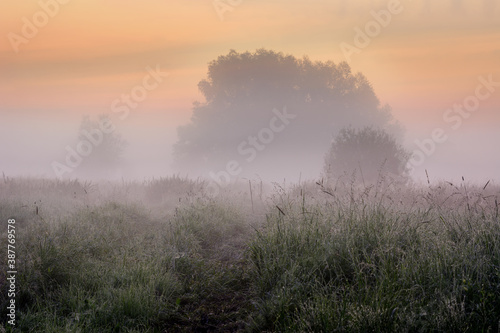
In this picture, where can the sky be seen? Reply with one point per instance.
(61, 60)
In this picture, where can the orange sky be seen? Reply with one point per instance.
(86, 55)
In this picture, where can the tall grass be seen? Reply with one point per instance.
(307, 259)
(364, 264)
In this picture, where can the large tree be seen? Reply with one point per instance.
(242, 90)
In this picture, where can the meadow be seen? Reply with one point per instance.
(164, 256)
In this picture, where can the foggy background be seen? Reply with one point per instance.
(427, 59)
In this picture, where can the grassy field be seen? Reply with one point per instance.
(163, 256)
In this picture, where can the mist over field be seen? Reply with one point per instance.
(418, 77)
(250, 166)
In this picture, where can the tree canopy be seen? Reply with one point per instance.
(242, 90)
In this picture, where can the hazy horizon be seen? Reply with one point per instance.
(80, 57)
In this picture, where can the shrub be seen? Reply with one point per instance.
(372, 152)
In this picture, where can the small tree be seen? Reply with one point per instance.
(107, 150)
(371, 153)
